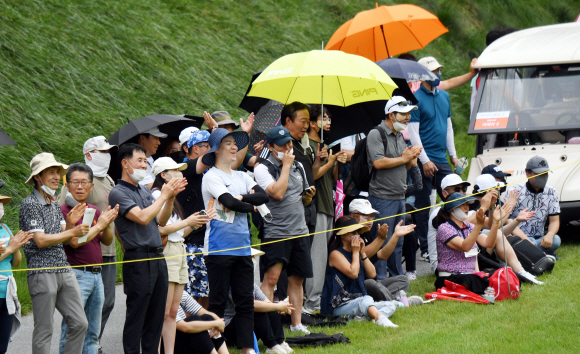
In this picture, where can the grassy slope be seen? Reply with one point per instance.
(72, 69)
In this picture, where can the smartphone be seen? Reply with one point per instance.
(202, 213)
(335, 149)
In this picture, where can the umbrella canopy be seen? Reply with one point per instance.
(323, 77)
(6, 140)
(406, 69)
(171, 125)
(386, 31)
(268, 117)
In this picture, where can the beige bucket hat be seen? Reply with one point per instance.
(43, 161)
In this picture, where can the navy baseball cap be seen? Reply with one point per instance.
(278, 136)
(495, 171)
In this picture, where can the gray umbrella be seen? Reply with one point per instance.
(6, 140)
(406, 69)
(171, 125)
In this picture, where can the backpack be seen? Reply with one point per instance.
(499, 282)
(531, 257)
(316, 339)
(361, 174)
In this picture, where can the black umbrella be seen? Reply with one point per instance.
(406, 69)
(171, 125)
(346, 121)
(6, 140)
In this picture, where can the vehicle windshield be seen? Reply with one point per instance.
(540, 103)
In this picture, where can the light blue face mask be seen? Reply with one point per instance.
(435, 83)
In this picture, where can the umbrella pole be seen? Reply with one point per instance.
(385, 39)
(322, 111)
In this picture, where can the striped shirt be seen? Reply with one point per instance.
(187, 307)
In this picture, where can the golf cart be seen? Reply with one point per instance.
(527, 104)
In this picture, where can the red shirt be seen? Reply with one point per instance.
(88, 253)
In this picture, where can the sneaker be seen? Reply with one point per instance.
(383, 321)
(252, 351)
(415, 300)
(100, 350)
(552, 258)
(530, 278)
(300, 328)
(287, 348)
(277, 349)
(425, 256)
(411, 275)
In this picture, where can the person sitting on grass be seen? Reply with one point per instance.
(456, 238)
(344, 291)
(198, 330)
(267, 324)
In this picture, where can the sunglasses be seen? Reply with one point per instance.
(404, 103)
(460, 189)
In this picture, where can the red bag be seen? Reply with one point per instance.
(499, 282)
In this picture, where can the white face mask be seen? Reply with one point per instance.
(99, 164)
(48, 190)
(137, 175)
(398, 126)
(459, 214)
(1, 210)
(280, 154)
(173, 174)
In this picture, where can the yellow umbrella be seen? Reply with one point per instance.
(323, 76)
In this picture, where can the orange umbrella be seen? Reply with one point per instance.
(386, 31)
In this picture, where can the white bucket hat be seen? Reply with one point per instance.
(430, 63)
(166, 163)
(43, 161)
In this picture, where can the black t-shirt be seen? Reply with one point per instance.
(191, 200)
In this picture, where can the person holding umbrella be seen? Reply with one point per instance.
(227, 239)
(10, 256)
(149, 140)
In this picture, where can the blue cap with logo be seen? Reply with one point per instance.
(278, 136)
(197, 137)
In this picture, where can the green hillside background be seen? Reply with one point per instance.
(73, 69)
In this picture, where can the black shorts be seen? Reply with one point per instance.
(294, 255)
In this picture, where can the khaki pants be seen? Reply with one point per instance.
(61, 291)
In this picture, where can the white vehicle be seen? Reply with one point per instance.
(527, 104)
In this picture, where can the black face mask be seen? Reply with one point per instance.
(504, 188)
(177, 156)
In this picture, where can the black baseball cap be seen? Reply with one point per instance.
(495, 171)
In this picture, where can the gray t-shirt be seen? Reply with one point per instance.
(387, 183)
(131, 233)
(287, 213)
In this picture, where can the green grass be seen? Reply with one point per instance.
(544, 319)
(73, 69)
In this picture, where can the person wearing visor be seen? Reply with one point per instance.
(56, 287)
(344, 291)
(149, 140)
(285, 181)
(391, 159)
(140, 215)
(456, 238)
(10, 256)
(374, 238)
(227, 238)
(536, 196)
(173, 233)
(431, 128)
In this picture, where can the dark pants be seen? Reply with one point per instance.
(410, 251)
(235, 273)
(196, 343)
(267, 327)
(145, 284)
(422, 200)
(109, 276)
(389, 208)
(5, 326)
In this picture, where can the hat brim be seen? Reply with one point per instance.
(405, 109)
(281, 141)
(4, 199)
(228, 121)
(159, 134)
(351, 228)
(459, 202)
(62, 171)
(242, 139)
(540, 169)
(366, 211)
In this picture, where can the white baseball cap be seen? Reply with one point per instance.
(362, 206)
(97, 143)
(399, 104)
(166, 163)
(155, 132)
(185, 134)
(430, 63)
(486, 181)
(453, 180)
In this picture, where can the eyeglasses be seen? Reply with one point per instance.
(75, 184)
